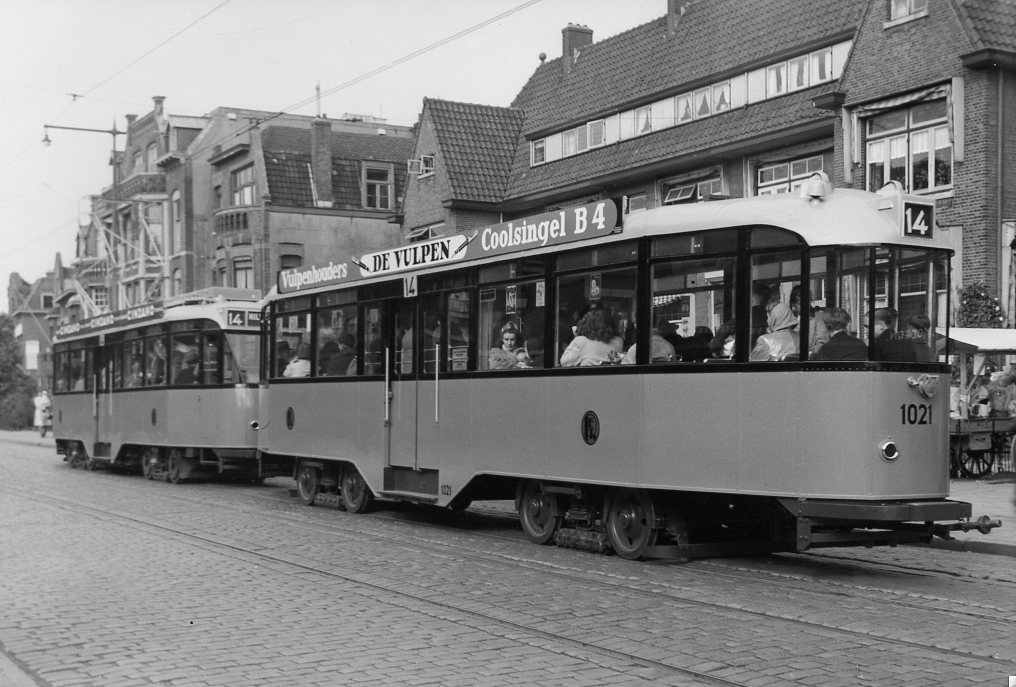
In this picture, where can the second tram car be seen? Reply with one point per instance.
(387, 374)
(167, 388)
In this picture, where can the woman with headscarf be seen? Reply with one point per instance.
(780, 341)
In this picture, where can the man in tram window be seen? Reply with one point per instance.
(841, 344)
(887, 346)
(917, 338)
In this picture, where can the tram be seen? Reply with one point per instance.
(382, 376)
(168, 388)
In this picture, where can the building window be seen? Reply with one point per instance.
(136, 164)
(47, 301)
(426, 233)
(176, 206)
(643, 121)
(377, 188)
(31, 354)
(219, 275)
(426, 165)
(911, 146)
(243, 273)
(691, 191)
(636, 202)
(177, 282)
(904, 8)
(242, 184)
(787, 176)
(288, 262)
(596, 133)
(99, 296)
(151, 155)
(539, 151)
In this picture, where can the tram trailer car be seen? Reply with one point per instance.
(168, 389)
(680, 453)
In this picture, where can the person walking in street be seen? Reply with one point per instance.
(43, 412)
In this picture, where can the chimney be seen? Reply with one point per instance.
(158, 100)
(321, 162)
(574, 37)
(675, 10)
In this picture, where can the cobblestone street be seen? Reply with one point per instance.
(108, 579)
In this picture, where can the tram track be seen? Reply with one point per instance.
(655, 591)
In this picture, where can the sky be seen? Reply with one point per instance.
(258, 54)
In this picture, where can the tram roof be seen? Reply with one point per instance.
(221, 311)
(819, 214)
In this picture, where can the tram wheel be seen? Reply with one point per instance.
(174, 467)
(355, 492)
(975, 464)
(308, 483)
(631, 523)
(539, 512)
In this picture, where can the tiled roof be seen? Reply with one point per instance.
(993, 23)
(287, 156)
(477, 143)
(713, 37)
(737, 127)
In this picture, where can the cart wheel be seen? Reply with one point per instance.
(976, 464)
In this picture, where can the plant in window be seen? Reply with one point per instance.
(978, 308)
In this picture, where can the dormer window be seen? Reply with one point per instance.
(899, 9)
(426, 165)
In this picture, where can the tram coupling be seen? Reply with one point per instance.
(983, 524)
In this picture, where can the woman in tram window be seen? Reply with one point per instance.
(300, 365)
(722, 345)
(509, 354)
(596, 342)
(781, 341)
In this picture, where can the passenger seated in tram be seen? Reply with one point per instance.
(596, 342)
(186, 369)
(135, 375)
(509, 355)
(781, 340)
(763, 297)
(818, 333)
(722, 346)
(917, 338)
(283, 354)
(887, 345)
(660, 350)
(841, 344)
(343, 360)
(157, 363)
(300, 365)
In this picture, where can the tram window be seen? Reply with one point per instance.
(771, 237)
(77, 369)
(155, 357)
(59, 370)
(185, 359)
(134, 363)
(292, 345)
(241, 358)
(613, 291)
(511, 325)
(447, 280)
(691, 299)
(89, 369)
(704, 243)
(374, 340)
(293, 304)
(101, 367)
(433, 318)
(211, 358)
(336, 341)
(773, 279)
(337, 298)
(516, 269)
(405, 320)
(598, 257)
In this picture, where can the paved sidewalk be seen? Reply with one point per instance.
(994, 496)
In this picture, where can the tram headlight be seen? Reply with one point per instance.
(888, 450)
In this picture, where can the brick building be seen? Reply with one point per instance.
(33, 307)
(747, 97)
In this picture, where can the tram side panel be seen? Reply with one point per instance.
(330, 421)
(139, 419)
(73, 419)
(217, 418)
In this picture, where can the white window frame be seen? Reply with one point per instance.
(788, 179)
(597, 133)
(426, 165)
(243, 265)
(937, 132)
(538, 152)
(903, 9)
(242, 189)
(636, 202)
(700, 189)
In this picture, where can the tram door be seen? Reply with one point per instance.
(402, 380)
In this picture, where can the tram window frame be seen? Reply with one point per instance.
(59, 379)
(436, 312)
(193, 353)
(525, 319)
(154, 336)
(284, 313)
(369, 366)
(785, 283)
(211, 377)
(692, 348)
(133, 349)
(329, 305)
(593, 298)
(597, 257)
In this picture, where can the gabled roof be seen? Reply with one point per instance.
(713, 38)
(287, 157)
(992, 23)
(477, 143)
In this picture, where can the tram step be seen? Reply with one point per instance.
(415, 481)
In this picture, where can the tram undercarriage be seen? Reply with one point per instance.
(636, 523)
(172, 464)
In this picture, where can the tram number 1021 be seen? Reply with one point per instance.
(915, 413)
